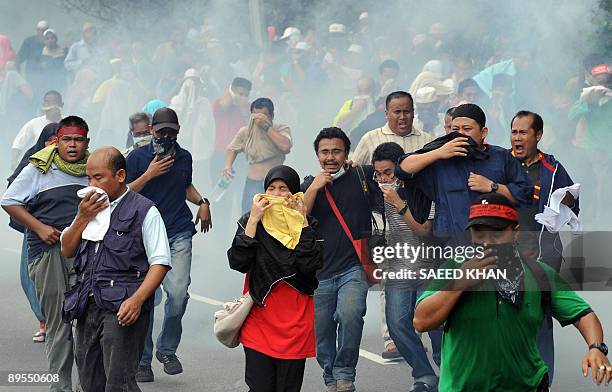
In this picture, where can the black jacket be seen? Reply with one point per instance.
(267, 261)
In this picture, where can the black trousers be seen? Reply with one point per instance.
(267, 374)
(107, 354)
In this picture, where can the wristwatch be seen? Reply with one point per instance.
(494, 187)
(600, 346)
(204, 201)
(403, 210)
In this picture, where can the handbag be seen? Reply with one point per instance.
(363, 246)
(228, 321)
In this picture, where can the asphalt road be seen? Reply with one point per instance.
(211, 367)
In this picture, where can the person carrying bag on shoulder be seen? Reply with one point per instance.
(278, 246)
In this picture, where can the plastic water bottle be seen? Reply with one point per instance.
(221, 186)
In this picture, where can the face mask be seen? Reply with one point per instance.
(143, 139)
(338, 174)
(392, 185)
(163, 145)
(508, 260)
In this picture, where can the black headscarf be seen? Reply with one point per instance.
(285, 173)
(50, 130)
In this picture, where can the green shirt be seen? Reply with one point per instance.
(490, 345)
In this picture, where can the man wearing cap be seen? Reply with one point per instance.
(28, 134)
(44, 199)
(118, 270)
(452, 174)
(428, 117)
(162, 172)
(491, 326)
(399, 111)
(31, 48)
(291, 35)
(84, 52)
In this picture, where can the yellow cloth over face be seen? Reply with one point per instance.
(282, 222)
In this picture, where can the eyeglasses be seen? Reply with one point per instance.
(77, 139)
(389, 174)
(335, 152)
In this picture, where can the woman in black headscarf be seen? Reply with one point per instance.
(278, 334)
(47, 136)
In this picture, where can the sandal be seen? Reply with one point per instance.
(39, 337)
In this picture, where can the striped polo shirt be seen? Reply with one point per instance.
(374, 138)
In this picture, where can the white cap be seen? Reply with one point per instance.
(337, 28)
(363, 15)
(42, 25)
(425, 95)
(354, 48)
(49, 31)
(289, 31)
(191, 73)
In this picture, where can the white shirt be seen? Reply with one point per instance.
(154, 236)
(29, 133)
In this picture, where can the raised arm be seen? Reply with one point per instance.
(414, 163)
(89, 207)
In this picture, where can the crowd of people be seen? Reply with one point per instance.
(438, 147)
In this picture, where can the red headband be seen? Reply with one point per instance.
(493, 211)
(600, 69)
(71, 130)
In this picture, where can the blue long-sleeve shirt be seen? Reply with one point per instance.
(446, 183)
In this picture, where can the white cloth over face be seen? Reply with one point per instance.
(556, 214)
(197, 122)
(96, 228)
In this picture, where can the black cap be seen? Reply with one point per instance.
(165, 118)
(498, 213)
(472, 111)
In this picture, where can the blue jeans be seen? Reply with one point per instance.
(175, 284)
(26, 283)
(340, 305)
(251, 188)
(399, 310)
(546, 344)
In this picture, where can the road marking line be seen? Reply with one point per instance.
(364, 353)
(206, 300)
(376, 358)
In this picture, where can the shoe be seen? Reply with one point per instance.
(391, 352)
(39, 337)
(423, 387)
(145, 374)
(345, 386)
(331, 388)
(172, 365)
